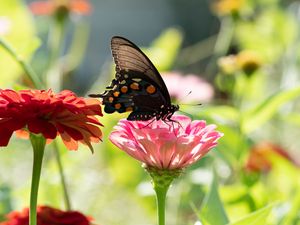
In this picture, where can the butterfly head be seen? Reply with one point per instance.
(174, 108)
(170, 110)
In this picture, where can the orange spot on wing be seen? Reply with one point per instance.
(110, 99)
(151, 89)
(116, 94)
(124, 89)
(118, 106)
(134, 86)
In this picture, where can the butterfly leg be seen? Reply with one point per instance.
(169, 119)
(148, 123)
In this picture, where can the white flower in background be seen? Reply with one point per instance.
(5, 25)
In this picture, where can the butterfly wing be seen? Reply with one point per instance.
(138, 87)
(128, 57)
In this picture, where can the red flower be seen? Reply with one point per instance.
(47, 216)
(50, 7)
(44, 112)
(259, 159)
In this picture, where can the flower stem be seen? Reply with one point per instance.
(223, 42)
(62, 177)
(38, 144)
(161, 193)
(161, 180)
(54, 72)
(27, 68)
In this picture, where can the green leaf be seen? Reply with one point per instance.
(212, 211)
(164, 49)
(292, 118)
(259, 217)
(255, 117)
(280, 31)
(222, 114)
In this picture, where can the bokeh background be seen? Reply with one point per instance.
(239, 58)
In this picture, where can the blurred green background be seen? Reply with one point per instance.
(240, 59)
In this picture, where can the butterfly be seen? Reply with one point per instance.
(137, 87)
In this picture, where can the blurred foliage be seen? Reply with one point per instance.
(252, 61)
(18, 29)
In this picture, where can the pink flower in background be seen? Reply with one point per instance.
(180, 85)
(166, 146)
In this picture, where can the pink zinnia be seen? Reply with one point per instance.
(166, 145)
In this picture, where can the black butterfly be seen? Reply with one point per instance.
(137, 87)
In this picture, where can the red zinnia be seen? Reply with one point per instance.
(44, 112)
(47, 216)
(259, 159)
(49, 7)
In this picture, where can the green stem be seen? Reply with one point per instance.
(161, 180)
(55, 45)
(223, 42)
(38, 144)
(161, 193)
(27, 68)
(62, 177)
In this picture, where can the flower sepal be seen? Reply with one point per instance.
(37, 141)
(162, 178)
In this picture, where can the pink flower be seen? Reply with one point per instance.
(180, 85)
(165, 145)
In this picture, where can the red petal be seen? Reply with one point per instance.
(42, 126)
(42, 8)
(22, 134)
(12, 124)
(70, 143)
(75, 134)
(5, 136)
(81, 6)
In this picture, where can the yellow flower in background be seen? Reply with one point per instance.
(227, 64)
(248, 61)
(225, 7)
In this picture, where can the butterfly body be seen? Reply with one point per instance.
(138, 87)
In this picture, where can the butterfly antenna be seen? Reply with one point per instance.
(197, 104)
(180, 100)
